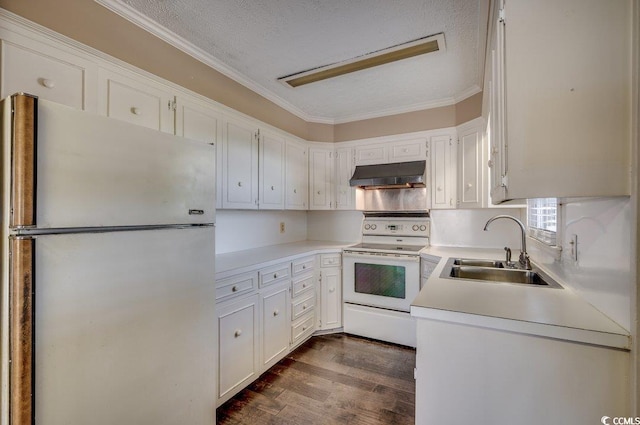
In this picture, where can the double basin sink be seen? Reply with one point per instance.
(495, 271)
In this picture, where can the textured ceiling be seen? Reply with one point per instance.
(261, 40)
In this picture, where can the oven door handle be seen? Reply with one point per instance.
(395, 257)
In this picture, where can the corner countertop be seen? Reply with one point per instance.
(546, 312)
(240, 261)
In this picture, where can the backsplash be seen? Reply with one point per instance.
(237, 230)
(602, 273)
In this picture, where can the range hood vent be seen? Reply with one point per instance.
(400, 175)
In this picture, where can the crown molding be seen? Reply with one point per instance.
(132, 15)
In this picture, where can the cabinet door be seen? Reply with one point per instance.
(376, 154)
(408, 150)
(470, 169)
(271, 185)
(320, 172)
(137, 100)
(275, 325)
(443, 172)
(331, 297)
(240, 166)
(345, 165)
(296, 177)
(238, 339)
(54, 75)
(198, 121)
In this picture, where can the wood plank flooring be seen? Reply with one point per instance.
(330, 379)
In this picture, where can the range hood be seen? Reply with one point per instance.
(399, 175)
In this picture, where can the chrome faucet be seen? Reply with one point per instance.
(524, 261)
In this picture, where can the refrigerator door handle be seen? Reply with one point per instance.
(21, 331)
(23, 161)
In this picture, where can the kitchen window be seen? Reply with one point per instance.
(542, 219)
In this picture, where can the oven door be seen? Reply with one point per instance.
(388, 281)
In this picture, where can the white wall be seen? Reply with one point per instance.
(463, 228)
(237, 230)
(602, 274)
(339, 226)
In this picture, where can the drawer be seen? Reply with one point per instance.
(236, 285)
(408, 151)
(330, 260)
(303, 306)
(274, 274)
(303, 265)
(302, 328)
(302, 285)
(41, 75)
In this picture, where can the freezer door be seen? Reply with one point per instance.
(125, 328)
(92, 171)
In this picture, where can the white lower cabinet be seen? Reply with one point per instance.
(262, 315)
(467, 374)
(275, 324)
(330, 278)
(238, 324)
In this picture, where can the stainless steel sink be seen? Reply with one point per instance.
(478, 263)
(495, 271)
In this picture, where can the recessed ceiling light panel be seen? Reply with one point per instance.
(432, 43)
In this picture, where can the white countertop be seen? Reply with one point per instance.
(250, 259)
(546, 312)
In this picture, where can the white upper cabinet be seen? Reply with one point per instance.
(46, 72)
(371, 154)
(561, 87)
(345, 165)
(136, 99)
(271, 184)
(471, 168)
(321, 178)
(296, 176)
(443, 172)
(240, 165)
(408, 150)
(197, 120)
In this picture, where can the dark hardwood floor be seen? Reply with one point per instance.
(331, 379)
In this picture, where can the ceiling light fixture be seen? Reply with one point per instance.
(432, 43)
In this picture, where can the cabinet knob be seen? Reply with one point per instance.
(275, 275)
(135, 110)
(469, 185)
(332, 289)
(239, 184)
(405, 150)
(276, 312)
(318, 192)
(45, 82)
(304, 285)
(273, 188)
(439, 189)
(304, 328)
(234, 289)
(304, 266)
(304, 306)
(237, 333)
(295, 190)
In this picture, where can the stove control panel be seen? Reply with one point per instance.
(396, 226)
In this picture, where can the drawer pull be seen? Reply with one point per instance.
(135, 110)
(304, 285)
(276, 312)
(304, 328)
(237, 333)
(304, 266)
(45, 82)
(234, 289)
(275, 275)
(304, 306)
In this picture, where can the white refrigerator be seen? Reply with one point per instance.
(107, 298)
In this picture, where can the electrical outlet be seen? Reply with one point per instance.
(282, 227)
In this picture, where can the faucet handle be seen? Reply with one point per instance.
(524, 261)
(508, 253)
